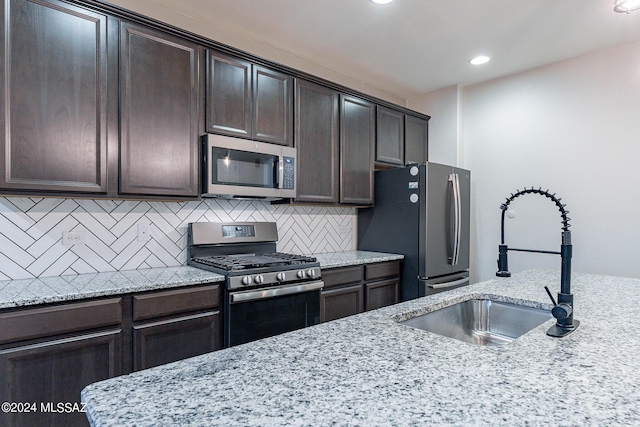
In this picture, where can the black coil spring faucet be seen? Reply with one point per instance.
(563, 308)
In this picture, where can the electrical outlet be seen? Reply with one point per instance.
(73, 237)
(143, 233)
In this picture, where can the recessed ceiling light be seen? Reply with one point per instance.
(626, 6)
(380, 1)
(479, 60)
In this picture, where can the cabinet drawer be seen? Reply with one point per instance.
(341, 276)
(382, 269)
(167, 303)
(166, 341)
(61, 319)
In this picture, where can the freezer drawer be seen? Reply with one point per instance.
(430, 286)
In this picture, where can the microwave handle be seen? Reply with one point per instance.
(276, 174)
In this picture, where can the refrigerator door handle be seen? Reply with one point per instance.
(454, 179)
(449, 284)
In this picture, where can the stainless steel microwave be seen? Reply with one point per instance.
(237, 168)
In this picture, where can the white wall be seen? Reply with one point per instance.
(444, 136)
(571, 127)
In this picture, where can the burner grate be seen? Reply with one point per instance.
(248, 261)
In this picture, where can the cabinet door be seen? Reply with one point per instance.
(357, 137)
(390, 136)
(228, 95)
(416, 139)
(316, 139)
(272, 106)
(165, 341)
(159, 113)
(341, 302)
(56, 371)
(382, 293)
(53, 105)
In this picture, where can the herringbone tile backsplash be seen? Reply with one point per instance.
(31, 232)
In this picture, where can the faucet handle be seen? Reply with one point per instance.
(546, 288)
(560, 311)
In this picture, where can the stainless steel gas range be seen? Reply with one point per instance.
(266, 292)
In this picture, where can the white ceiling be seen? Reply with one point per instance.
(412, 47)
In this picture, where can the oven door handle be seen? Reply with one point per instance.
(238, 297)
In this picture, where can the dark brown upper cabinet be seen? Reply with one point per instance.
(159, 113)
(228, 95)
(357, 139)
(389, 136)
(416, 133)
(53, 98)
(272, 106)
(317, 140)
(248, 100)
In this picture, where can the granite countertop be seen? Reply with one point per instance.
(27, 292)
(369, 370)
(348, 258)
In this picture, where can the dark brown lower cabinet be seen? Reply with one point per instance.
(166, 341)
(176, 324)
(381, 293)
(49, 353)
(45, 374)
(341, 302)
(352, 290)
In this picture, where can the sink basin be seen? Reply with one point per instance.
(481, 321)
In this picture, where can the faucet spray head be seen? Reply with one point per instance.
(503, 264)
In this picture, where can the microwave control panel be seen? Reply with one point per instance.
(289, 170)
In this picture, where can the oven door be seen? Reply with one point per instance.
(256, 314)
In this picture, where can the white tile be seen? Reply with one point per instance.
(136, 260)
(43, 207)
(99, 224)
(94, 260)
(52, 218)
(12, 270)
(15, 252)
(52, 237)
(127, 253)
(112, 227)
(131, 218)
(60, 265)
(46, 259)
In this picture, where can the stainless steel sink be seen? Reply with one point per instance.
(481, 321)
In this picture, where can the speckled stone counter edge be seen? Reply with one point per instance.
(46, 290)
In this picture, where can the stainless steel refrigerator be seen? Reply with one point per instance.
(422, 212)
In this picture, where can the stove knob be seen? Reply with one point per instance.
(301, 274)
(281, 276)
(259, 279)
(311, 273)
(246, 280)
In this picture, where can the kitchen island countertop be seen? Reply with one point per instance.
(368, 370)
